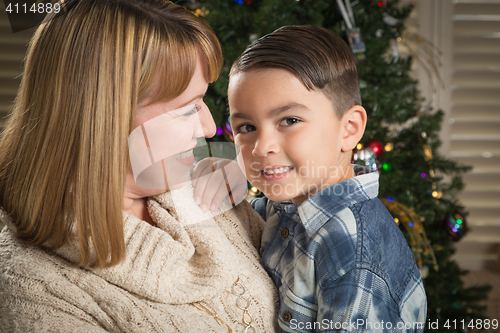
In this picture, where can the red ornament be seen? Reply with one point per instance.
(376, 146)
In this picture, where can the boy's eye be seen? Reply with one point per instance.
(245, 128)
(289, 121)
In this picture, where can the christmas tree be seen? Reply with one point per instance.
(401, 138)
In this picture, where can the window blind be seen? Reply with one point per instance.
(475, 125)
(12, 52)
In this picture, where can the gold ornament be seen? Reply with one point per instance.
(427, 152)
(426, 54)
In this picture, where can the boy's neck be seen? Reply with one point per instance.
(346, 173)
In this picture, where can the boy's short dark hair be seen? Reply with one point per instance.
(317, 56)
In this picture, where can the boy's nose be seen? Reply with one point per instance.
(205, 127)
(265, 145)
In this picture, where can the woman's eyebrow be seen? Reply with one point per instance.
(200, 96)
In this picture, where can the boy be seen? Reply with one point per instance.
(335, 253)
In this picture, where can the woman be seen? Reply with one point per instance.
(86, 247)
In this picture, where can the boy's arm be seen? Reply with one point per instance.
(360, 301)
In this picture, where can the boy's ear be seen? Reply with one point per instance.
(354, 121)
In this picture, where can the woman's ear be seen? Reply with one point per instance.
(354, 121)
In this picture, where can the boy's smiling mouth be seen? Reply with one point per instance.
(276, 171)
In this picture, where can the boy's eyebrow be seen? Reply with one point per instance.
(274, 112)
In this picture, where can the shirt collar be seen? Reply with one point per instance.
(319, 208)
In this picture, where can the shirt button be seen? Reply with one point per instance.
(284, 233)
(286, 316)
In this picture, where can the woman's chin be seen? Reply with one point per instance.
(178, 185)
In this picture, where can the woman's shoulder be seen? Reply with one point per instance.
(19, 260)
(38, 289)
(23, 270)
(37, 293)
(27, 269)
(11, 248)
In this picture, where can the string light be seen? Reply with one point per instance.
(437, 194)
(201, 11)
(241, 2)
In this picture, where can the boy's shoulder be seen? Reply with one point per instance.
(383, 248)
(359, 236)
(361, 244)
(364, 237)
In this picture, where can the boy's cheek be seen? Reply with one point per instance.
(252, 176)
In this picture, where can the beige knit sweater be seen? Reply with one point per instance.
(165, 270)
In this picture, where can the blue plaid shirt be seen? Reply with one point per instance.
(340, 262)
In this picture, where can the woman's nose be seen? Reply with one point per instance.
(205, 127)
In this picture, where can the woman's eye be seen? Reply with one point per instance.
(246, 128)
(289, 121)
(195, 109)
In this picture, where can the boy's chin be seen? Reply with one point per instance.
(278, 197)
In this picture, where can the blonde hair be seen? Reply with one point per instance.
(63, 153)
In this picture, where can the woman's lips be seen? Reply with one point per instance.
(186, 157)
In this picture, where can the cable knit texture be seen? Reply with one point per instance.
(166, 268)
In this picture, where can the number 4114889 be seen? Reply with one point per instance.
(40, 8)
(474, 323)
